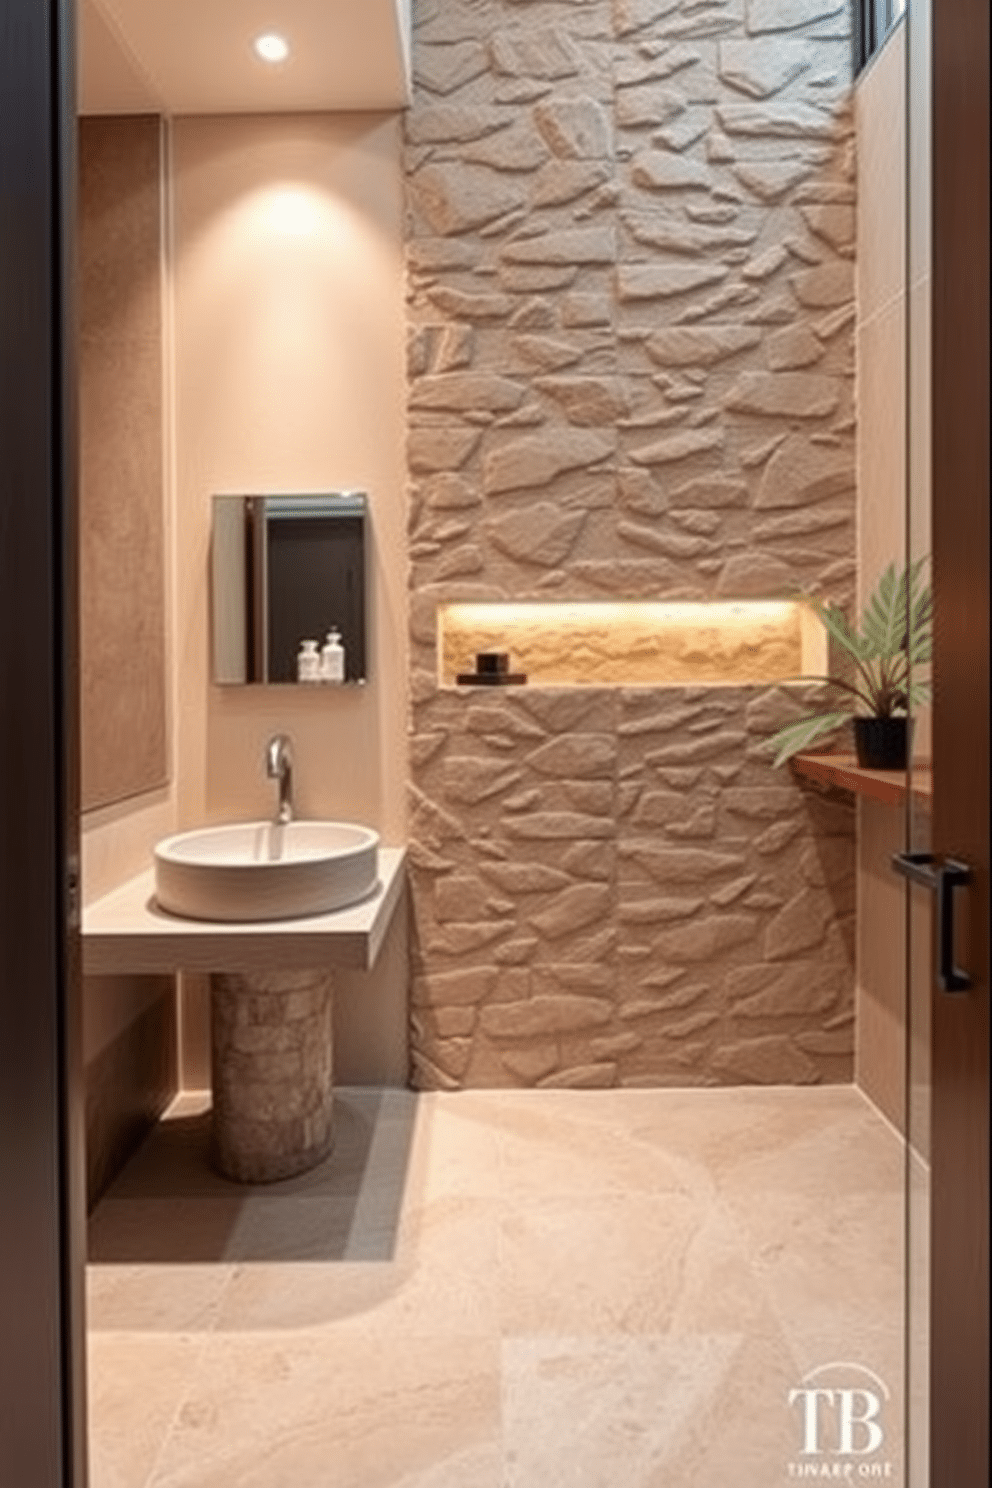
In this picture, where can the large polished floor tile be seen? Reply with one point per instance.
(648, 1411)
(137, 1383)
(441, 1281)
(312, 1410)
(499, 1289)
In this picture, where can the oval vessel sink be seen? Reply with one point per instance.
(265, 870)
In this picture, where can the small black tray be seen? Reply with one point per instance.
(491, 679)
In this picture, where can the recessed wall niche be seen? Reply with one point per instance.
(122, 589)
(651, 644)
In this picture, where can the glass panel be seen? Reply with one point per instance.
(919, 948)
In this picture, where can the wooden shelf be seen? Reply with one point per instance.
(889, 786)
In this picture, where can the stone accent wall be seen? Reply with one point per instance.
(630, 255)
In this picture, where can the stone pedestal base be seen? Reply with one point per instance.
(272, 1073)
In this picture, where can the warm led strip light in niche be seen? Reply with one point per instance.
(636, 644)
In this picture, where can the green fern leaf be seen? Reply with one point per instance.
(834, 621)
(883, 623)
(796, 736)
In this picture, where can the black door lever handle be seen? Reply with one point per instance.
(942, 876)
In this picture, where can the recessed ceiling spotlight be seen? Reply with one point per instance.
(272, 47)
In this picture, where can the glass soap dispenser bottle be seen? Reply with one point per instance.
(332, 657)
(308, 662)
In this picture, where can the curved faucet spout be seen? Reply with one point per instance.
(279, 766)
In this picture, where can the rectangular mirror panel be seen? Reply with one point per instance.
(286, 569)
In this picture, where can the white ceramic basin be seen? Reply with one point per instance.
(264, 871)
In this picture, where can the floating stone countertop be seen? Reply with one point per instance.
(126, 932)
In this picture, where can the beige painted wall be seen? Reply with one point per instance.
(123, 725)
(284, 346)
(880, 110)
(893, 273)
(289, 344)
(127, 798)
(289, 335)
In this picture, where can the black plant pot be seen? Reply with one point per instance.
(882, 743)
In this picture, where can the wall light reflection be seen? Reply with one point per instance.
(294, 211)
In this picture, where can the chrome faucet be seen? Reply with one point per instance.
(279, 766)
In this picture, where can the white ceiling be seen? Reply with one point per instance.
(196, 56)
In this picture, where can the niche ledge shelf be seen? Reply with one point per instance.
(888, 786)
(636, 643)
(126, 933)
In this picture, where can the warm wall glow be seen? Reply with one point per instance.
(295, 211)
(639, 644)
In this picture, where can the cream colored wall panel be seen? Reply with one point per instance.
(882, 444)
(880, 114)
(117, 841)
(880, 1064)
(124, 744)
(920, 483)
(920, 131)
(289, 371)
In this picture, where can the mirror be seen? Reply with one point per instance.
(285, 570)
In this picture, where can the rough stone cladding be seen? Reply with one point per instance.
(631, 375)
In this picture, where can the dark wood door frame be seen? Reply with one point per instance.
(42, 1203)
(959, 1321)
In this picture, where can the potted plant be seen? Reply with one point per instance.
(895, 638)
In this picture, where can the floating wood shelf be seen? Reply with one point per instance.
(888, 786)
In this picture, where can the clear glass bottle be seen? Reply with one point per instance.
(332, 658)
(308, 662)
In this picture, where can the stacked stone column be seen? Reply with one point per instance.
(272, 1073)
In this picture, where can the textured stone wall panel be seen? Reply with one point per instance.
(630, 229)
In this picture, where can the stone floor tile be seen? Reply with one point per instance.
(642, 1411)
(137, 1383)
(154, 1299)
(441, 1282)
(305, 1410)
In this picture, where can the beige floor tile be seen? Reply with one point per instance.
(455, 1148)
(169, 1208)
(136, 1385)
(311, 1411)
(749, 1434)
(163, 1232)
(622, 1263)
(643, 1412)
(848, 1151)
(832, 1270)
(815, 1140)
(154, 1299)
(553, 1146)
(442, 1282)
(662, 1266)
